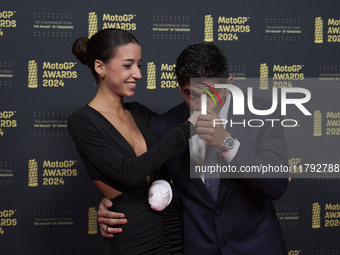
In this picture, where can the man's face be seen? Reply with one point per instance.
(192, 95)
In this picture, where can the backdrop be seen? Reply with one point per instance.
(48, 203)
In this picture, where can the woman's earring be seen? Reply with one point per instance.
(102, 74)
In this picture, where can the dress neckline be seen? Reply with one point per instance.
(135, 118)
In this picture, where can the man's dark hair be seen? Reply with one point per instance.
(204, 60)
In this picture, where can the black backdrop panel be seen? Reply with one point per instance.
(49, 204)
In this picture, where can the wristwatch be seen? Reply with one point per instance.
(228, 143)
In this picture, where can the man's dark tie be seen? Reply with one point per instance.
(212, 180)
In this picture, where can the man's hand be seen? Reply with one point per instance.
(105, 218)
(206, 131)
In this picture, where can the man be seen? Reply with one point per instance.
(240, 218)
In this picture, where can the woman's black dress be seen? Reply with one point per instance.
(108, 157)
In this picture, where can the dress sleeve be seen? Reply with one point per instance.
(107, 159)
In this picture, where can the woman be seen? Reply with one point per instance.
(118, 147)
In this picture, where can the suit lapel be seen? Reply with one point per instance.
(223, 189)
(183, 155)
(200, 186)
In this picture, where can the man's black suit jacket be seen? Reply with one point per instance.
(243, 221)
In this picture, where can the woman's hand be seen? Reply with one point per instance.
(194, 117)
